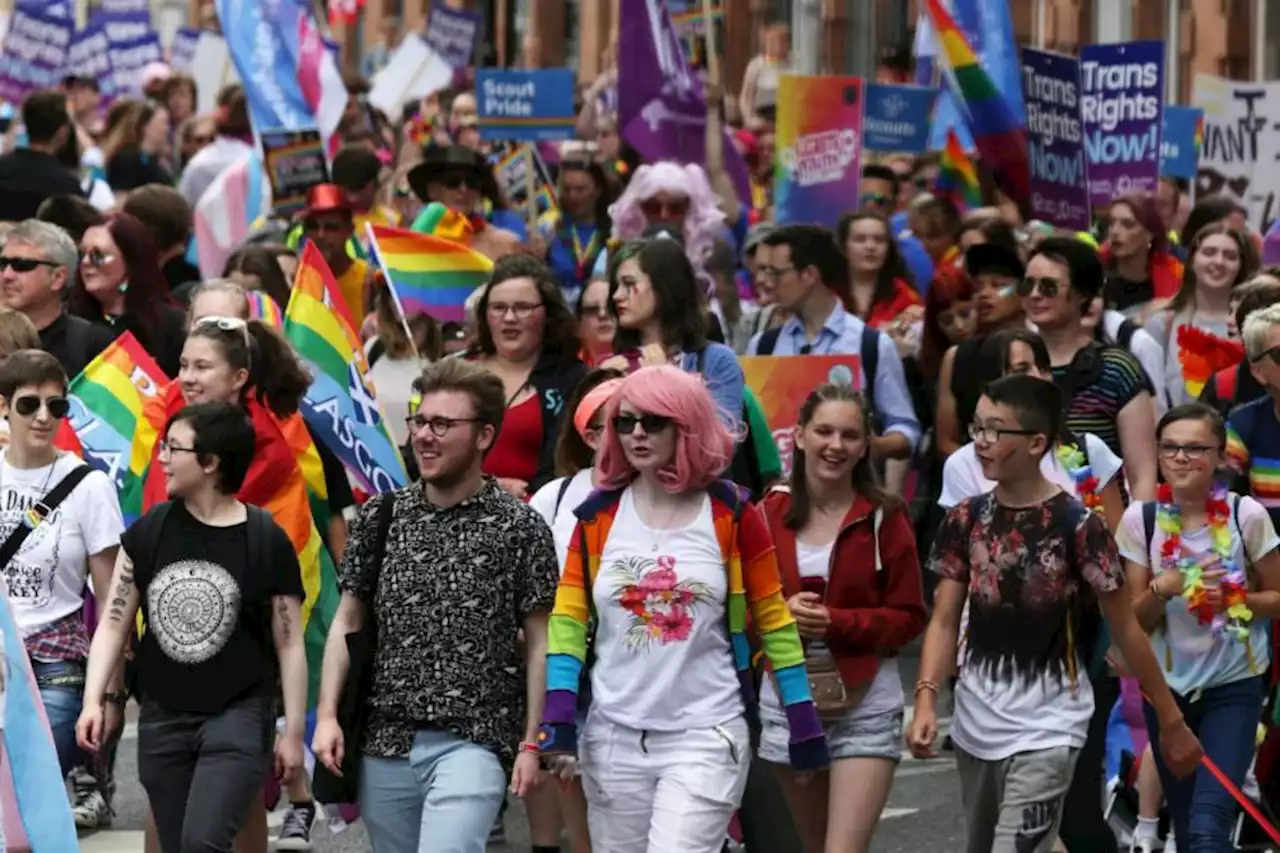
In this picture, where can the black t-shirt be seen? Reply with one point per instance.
(1121, 294)
(29, 177)
(206, 609)
(131, 169)
(74, 342)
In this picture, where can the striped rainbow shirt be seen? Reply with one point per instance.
(754, 586)
(1253, 449)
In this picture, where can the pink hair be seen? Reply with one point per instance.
(703, 222)
(704, 445)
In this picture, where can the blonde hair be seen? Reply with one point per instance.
(17, 332)
(1256, 329)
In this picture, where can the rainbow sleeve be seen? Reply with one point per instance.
(1237, 452)
(754, 582)
(566, 653)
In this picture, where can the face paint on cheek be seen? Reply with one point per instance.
(1007, 291)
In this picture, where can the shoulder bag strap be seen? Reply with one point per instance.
(768, 341)
(870, 365)
(42, 509)
(564, 487)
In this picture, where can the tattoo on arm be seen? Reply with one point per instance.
(282, 617)
(124, 589)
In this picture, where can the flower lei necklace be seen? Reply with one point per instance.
(1234, 621)
(1077, 468)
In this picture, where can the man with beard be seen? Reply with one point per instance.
(449, 570)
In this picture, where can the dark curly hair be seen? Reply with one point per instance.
(559, 330)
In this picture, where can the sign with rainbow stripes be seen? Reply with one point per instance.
(531, 106)
(818, 164)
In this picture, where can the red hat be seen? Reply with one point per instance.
(325, 198)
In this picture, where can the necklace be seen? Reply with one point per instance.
(30, 517)
(1077, 468)
(659, 527)
(1234, 621)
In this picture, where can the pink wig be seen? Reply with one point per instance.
(704, 445)
(702, 224)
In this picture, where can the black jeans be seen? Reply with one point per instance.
(201, 772)
(1084, 829)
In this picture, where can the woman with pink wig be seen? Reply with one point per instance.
(675, 196)
(665, 563)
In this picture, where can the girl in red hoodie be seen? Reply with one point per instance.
(847, 558)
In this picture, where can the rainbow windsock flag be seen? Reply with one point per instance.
(958, 177)
(110, 432)
(263, 307)
(428, 275)
(340, 406)
(1001, 143)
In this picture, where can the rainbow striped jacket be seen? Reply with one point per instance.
(753, 585)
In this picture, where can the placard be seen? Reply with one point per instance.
(526, 105)
(295, 162)
(1059, 177)
(1180, 141)
(818, 159)
(896, 118)
(1121, 105)
(453, 33)
(34, 54)
(781, 384)
(1241, 145)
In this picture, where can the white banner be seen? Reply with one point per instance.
(1240, 158)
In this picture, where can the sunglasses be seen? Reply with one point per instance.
(96, 258)
(1048, 287)
(652, 424)
(457, 180)
(870, 199)
(23, 264)
(1273, 354)
(657, 209)
(28, 404)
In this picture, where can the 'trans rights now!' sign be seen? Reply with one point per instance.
(1122, 105)
(527, 106)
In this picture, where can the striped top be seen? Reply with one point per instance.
(1096, 404)
(1253, 450)
(754, 586)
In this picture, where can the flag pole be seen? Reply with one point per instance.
(395, 299)
(713, 49)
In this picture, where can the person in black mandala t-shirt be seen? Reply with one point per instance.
(220, 590)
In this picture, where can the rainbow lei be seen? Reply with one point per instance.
(1078, 469)
(1234, 621)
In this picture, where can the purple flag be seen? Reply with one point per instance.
(661, 109)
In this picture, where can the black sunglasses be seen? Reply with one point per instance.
(1273, 354)
(456, 180)
(23, 264)
(652, 424)
(28, 404)
(1048, 286)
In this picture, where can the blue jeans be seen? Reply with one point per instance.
(61, 685)
(1225, 719)
(443, 798)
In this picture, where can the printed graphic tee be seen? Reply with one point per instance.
(663, 660)
(1014, 692)
(206, 609)
(46, 578)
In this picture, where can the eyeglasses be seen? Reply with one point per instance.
(658, 209)
(324, 226)
(651, 424)
(521, 310)
(28, 404)
(96, 258)
(166, 448)
(874, 199)
(1048, 287)
(773, 272)
(439, 425)
(458, 180)
(990, 435)
(24, 264)
(1193, 452)
(1273, 354)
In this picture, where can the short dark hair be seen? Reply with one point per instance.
(812, 246)
(881, 172)
(71, 213)
(44, 113)
(165, 213)
(559, 330)
(1037, 403)
(993, 354)
(1195, 411)
(355, 167)
(30, 367)
(457, 374)
(1254, 296)
(1081, 260)
(572, 453)
(224, 432)
(677, 295)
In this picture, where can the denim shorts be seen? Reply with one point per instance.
(873, 737)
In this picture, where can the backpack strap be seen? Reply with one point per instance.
(1149, 528)
(386, 511)
(564, 487)
(42, 509)
(259, 523)
(870, 357)
(1124, 334)
(768, 341)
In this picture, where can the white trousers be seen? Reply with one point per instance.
(662, 792)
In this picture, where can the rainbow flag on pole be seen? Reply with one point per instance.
(340, 406)
(958, 178)
(1001, 143)
(428, 275)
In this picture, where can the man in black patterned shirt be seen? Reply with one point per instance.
(453, 708)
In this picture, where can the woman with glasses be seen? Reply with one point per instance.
(121, 285)
(877, 275)
(528, 339)
(577, 236)
(1204, 574)
(664, 568)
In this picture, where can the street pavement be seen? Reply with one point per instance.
(923, 815)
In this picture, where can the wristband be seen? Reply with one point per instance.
(529, 746)
(925, 684)
(1154, 590)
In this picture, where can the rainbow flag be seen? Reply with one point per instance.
(106, 417)
(958, 177)
(1001, 143)
(428, 275)
(263, 307)
(340, 406)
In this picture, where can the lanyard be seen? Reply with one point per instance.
(582, 256)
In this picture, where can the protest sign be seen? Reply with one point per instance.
(781, 384)
(182, 49)
(453, 33)
(1059, 178)
(690, 23)
(1123, 97)
(896, 118)
(511, 168)
(212, 69)
(61, 9)
(34, 54)
(1241, 144)
(88, 56)
(295, 162)
(818, 163)
(525, 105)
(128, 58)
(1180, 141)
(414, 71)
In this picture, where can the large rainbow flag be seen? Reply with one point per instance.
(1001, 143)
(426, 274)
(958, 177)
(340, 406)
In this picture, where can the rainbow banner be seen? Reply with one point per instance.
(818, 164)
(428, 275)
(263, 307)
(781, 383)
(340, 405)
(957, 177)
(110, 432)
(1001, 142)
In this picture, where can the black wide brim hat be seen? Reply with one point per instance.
(438, 159)
(988, 258)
